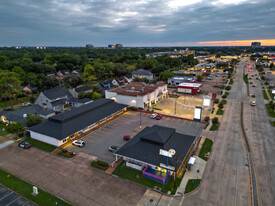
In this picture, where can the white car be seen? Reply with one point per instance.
(253, 103)
(153, 116)
(79, 143)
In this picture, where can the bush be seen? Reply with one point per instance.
(215, 120)
(64, 150)
(220, 105)
(216, 101)
(133, 108)
(228, 88)
(206, 119)
(219, 112)
(101, 163)
(224, 96)
(231, 81)
(71, 153)
(32, 120)
(223, 101)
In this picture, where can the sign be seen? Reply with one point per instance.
(214, 95)
(164, 153)
(206, 101)
(197, 115)
(167, 167)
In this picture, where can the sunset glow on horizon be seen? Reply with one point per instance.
(264, 42)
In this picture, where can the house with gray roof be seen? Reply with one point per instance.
(69, 125)
(77, 90)
(141, 73)
(20, 115)
(59, 99)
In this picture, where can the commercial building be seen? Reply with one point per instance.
(189, 88)
(256, 45)
(142, 152)
(89, 46)
(119, 45)
(69, 125)
(138, 94)
(174, 81)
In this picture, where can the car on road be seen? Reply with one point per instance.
(253, 103)
(127, 137)
(249, 78)
(253, 95)
(24, 145)
(79, 143)
(209, 77)
(158, 117)
(250, 82)
(153, 116)
(113, 148)
(257, 78)
(253, 85)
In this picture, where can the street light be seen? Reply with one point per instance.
(139, 118)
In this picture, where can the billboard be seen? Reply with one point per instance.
(206, 101)
(197, 114)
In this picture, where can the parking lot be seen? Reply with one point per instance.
(10, 198)
(98, 141)
(184, 106)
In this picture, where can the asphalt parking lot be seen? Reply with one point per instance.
(112, 133)
(10, 198)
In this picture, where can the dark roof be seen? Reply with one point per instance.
(141, 72)
(57, 92)
(85, 100)
(106, 85)
(65, 124)
(145, 145)
(17, 115)
(83, 88)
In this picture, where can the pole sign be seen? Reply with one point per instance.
(164, 153)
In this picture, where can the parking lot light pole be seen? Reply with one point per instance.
(175, 106)
(139, 119)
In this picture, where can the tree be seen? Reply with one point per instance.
(73, 81)
(16, 128)
(199, 78)
(220, 105)
(9, 84)
(32, 99)
(32, 120)
(19, 72)
(96, 88)
(164, 76)
(137, 79)
(215, 121)
(96, 96)
(89, 72)
(272, 66)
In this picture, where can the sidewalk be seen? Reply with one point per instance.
(192, 174)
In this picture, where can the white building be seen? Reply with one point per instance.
(138, 94)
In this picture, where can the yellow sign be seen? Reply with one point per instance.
(266, 89)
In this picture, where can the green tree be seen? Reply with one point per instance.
(220, 105)
(96, 96)
(32, 120)
(272, 66)
(9, 84)
(16, 128)
(164, 76)
(89, 72)
(19, 72)
(96, 88)
(215, 121)
(199, 78)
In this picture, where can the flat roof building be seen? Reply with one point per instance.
(189, 88)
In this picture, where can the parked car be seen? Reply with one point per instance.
(7, 109)
(24, 145)
(158, 117)
(209, 77)
(250, 82)
(127, 137)
(249, 78)
(25, 104)
(257, 78)
(253, 95)
(253, 85)
(113, 148)
(153, 116)
(79, 143)
(253, 103)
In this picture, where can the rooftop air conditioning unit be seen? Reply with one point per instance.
(132, 88)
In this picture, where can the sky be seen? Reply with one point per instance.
(137, 22)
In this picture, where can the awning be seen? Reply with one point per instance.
(191, 160)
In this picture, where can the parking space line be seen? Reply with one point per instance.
(107, 157)
(178, 121)
(168, 118)
(6, 195)
(184, 122)
(190, 123)
(197, 124)
(13, 200)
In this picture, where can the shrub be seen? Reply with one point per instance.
(220, 105)
(228, 88)
(223, 101)
(101, 163)
(216, 101)
(71, 153)
(224, 96)
(215, 120)
(231, 81)
(206, 119)
(64, 150)
(133, 108)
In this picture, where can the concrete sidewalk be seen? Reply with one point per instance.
(192, 174)
(6, 144)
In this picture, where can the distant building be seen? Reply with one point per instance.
(179, 79)
(171, 54)
(106, 85)
(89, 46)
(138, 94)
(111, 46)
(119, 45)
(141, 73)
(189, 88)
(256, 45)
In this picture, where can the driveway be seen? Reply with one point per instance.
(74, 181)
(112, 133)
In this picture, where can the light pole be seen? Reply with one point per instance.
(175, 106)
(139, 118)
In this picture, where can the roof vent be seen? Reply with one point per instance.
(132, 88)
(123, 86)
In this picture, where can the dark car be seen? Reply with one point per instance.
(158, 117)
(24, 145)
(127, 137)
(7, 109)
(113, 148)
(250, 82)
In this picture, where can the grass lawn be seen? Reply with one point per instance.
(136, 176)
(41, 145)
(156, 108)
(3, 132)
(219, 112)
(95, 165)
(206, 147)
(265, 95)
(224, 101)
(214, 127)
(270, 94)
(271, 112)
(245, 79)
(25, 189)
(14, 102)
(191, 185)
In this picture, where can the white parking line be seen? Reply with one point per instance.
(6, 195)
(13, 201)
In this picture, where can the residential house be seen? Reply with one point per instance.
(106, 85)
(120, 81)
(77, 90)
(29, 89)
(141, 73)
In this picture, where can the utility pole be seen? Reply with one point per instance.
(175, 106)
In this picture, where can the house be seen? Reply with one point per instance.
(68, 125)
(142, 152)
(106, 85)
(50, 74)
(29, 89)
(120, 81)
(59, 99)
(77, 90)
(77, 72)
(138, 94)
(141, 73)
(63, 73)
(20, 115)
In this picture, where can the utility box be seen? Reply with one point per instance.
(34, 191)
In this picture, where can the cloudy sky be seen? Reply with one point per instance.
(136, 22)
